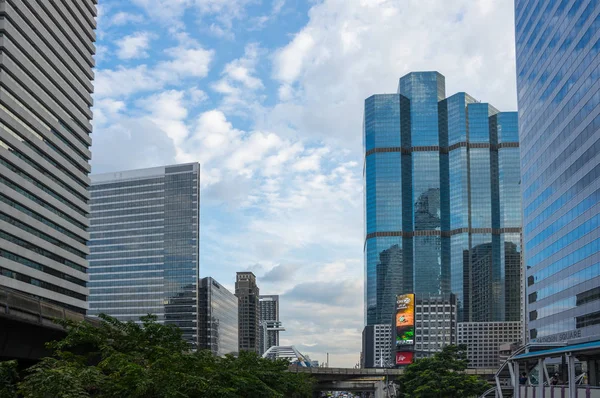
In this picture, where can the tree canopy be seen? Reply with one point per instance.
(147, 360)
(441, 376)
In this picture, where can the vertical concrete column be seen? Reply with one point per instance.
(380, 389)
(515, 375)
(571, 372)
(540, 389)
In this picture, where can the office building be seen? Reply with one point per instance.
(248, 312)
(217, 318)
(377, 346)
(442, 201)
(558, 81)
(435, 324)
(269, 322)
(486, 340)
(46, 61)
(144, 245)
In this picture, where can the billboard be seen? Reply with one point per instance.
(404, 358)
(405, 321)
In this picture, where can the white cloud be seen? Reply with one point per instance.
(239, 82)
(184, 63)
(125, 18)
(134, 45)
(351, 49)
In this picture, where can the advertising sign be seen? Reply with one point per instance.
(405, 321)
(404, 358)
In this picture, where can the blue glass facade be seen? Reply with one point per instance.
(442, 201)
(217, 318)
(558, 79)
(144, 245)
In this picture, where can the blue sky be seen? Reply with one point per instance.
(267, 96)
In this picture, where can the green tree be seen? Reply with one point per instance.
(8, 379)
(150, 360)
(441, 376)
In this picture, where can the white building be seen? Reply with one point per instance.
(483, 341)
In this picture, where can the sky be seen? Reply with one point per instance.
(267, 95)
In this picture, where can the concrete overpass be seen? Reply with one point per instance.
(26, 325)
(376, 381)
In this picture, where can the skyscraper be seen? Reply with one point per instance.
(46, 61)
(270, 325)
(217, 318)
(144, 245)
(558, 79)
(248, 311)
(442, 203)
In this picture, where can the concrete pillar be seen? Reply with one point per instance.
(516, 384)
(571, 372)
(380, 389)
(592, 369)
(540, 388)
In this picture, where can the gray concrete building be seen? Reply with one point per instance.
(270, 324)
(377, 346)
(435, 325)
(248, 293)
(486, 340)
(46, 61)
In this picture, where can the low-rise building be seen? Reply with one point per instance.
(485, 339)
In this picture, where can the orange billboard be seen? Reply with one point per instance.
(405, 320)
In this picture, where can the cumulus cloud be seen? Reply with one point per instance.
(134, 45)
(351, 49)
(124, 18)
(183, 63)
(279, 273)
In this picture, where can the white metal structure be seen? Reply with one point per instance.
(287, 352)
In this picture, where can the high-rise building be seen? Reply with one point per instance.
(248, 312)
(217, 318)
(377, 346)
(269, 322)
(46, 61)
(435, 325)
(442, 201)
(558, 81)
(144, 245)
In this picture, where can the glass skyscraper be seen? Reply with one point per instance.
(217, 318)
(442, 201)
(558, 79)
(144, 245)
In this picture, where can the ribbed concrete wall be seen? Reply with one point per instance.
(46, 61)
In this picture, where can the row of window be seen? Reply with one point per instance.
(44, 285)
(44, 156)
(42, 252)
(41, 219)
(41, 170)
(42, 203)
(48, 238)
(40, 267)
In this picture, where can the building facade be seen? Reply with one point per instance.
(144, 245)
(46, 61)
(435, 325)
(217, 318)
(486, 340)
(248, 294)
(442, 201)
(558, 81)
(377, 346)
(270, 324)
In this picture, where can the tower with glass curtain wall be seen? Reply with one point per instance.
(558, 82)
(46, 61)
(442, 201)
(144, 245)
